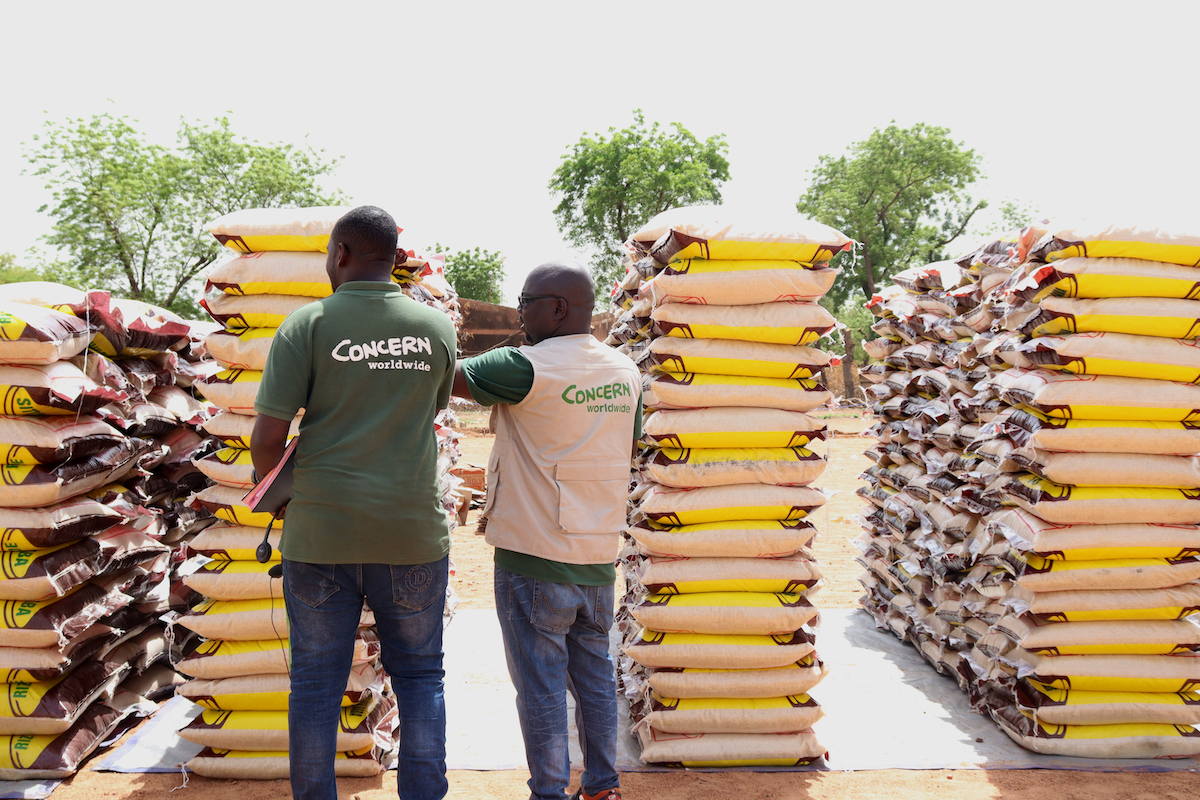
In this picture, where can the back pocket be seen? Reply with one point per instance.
(591, 495)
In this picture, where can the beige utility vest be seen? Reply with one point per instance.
(558, 475)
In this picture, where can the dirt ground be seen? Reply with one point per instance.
(473, 583)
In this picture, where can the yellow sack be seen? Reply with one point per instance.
(1052, 706)
(253, 230)
(1093, 542)
(688, 391)
(226, 542)
(1119, 354)
(1111, 673)
(708, 651)
(291, 273)
(790, 575)
(1084, 605)
(673, 507)
(227, 504)
(42, 757)
(229, 466)
(1111, 469)
(233, 430)
(748, 538)
(237, 313)
(259, 765)
(58, 389)
(232, 389)
(718, 466)
(242, 349)
(365, 724)
(793, 679)
(732, 714)
(792, 323)
(725, 612)
(1144, 316)
(32, 334)
(1091, 505)
(1063, 395)
(717, 232)
(235, 580)
(737, 283)
(731, 427)
(1098, 240)
(1107, 277)
(732, 357)
(51, 707)
(1098, 741)
(270, 692)
(1097, 637)
(215, 659)
(1027, 427)
(728, 749)
(53, 440)
(1115, 575)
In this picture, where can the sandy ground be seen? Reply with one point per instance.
(473, 583)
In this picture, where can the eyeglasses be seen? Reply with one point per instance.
(525, 299)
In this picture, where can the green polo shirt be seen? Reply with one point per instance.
(504, 375)
(371, 368)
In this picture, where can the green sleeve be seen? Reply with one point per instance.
(637, 420)
(447, 385)
(287, 379)
(502, 375)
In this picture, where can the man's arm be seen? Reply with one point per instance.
(267, 443)
(460, 388)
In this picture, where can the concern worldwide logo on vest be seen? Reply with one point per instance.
(591, 396)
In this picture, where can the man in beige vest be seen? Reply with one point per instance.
(568, 409)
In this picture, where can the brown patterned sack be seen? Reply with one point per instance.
(797, 678)
(728, 749)
(731, 715)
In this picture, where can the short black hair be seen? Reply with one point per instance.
(366, 230)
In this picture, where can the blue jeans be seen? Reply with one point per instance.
(555, 641)
(324, 602)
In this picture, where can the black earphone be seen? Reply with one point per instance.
(264, 551)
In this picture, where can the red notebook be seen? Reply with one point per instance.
(275, 490)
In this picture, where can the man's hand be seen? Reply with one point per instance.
(267, 443)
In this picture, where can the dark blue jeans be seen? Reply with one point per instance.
(555, 641)
(324, 602)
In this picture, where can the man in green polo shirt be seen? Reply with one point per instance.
(371, 368)
(568, 409)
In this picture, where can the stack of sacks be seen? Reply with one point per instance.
(1069, 598)
(719, 654)
(240, 671)
(85, 571)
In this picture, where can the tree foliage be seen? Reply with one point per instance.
(901, 193)
(608, 187)
(475, 274)
(128, 213)
(12, 272)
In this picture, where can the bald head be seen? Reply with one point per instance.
(561, 299)
(567, 279)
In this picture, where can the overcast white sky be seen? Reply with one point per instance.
(452, 115)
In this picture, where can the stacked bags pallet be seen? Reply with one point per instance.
(1034, 525)
(98, 432)
(719, 633)
(239, 669)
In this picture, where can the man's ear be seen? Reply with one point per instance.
(340, 255)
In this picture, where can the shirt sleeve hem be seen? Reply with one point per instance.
(275, 413)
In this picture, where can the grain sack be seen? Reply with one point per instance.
(183, 406)
(60, 388)
(37, 664)
(229, 466)
(243, 349)
(688, 391)
(36, 486)
(1174, 602)
(365, 724)
(1100, 637)
(36, 335)
(244, 620)
(1027, 532)
(41, 757)
(1111, 469)
(732, 715)
(1107, 277)
(1100, 240)
(227, 504)
(725, 612)
(1051, 706)
(253, 311)
(94, 307)
(1098, 741)
(732, 357)
(213, 659)
(791, 323)
(271, 692)
(1111, 673)
(234, 430)
(1117, 574)
(252, 230)
(882, 347)
(716, 232)
(737, 283)
(280, 272)
(233, 389)
(752, 538)
(728, 749)
(51, 707)
(719, 466)
(266, 765)
(235, 580)
(1117, 354)
(53, 440)
(226, 542)
(52, 623)
(710, 651)
(40, 575)
(794, 574)
(796, 678)
(1091, 505)
(731, 427)
(1067, 396)
(674, 507)
(150, 329)
(1029, 428)
(1146, 316)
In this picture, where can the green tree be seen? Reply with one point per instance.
(12, 272)
(474, 274)
(901, 193)
(129, 214)
(608, 187)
